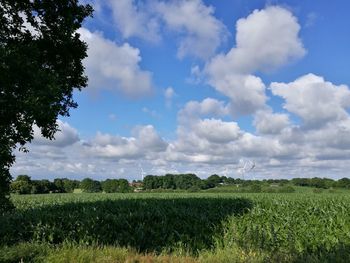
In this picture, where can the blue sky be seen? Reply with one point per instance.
(198, 86)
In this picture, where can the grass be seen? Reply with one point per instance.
(40, 253)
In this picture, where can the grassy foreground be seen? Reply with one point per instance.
(178, 227)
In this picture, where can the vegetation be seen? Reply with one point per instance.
(90, 186)
(175, 182)
(40, 63)
(116, 186)
(146, 224)
(193, 227)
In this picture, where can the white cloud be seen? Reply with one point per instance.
(315, 100)
(133, 18)
(144, 143)
(115, 67)
(207, 107)
(194, 25)
(66, 136)
(201, 33)
(217, 131)
(203, 145)
(265, 40)
(267, 122)
(247, 92)
(148, 139)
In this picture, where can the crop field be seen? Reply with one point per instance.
(178, 227)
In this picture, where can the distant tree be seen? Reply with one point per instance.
(116, 186)
(343, 183)
(59, 185)
(90, 186)
(22, 185)
(301, 181)
(70, 185)
(64, 185)
(23, 177)
(172, 181)
(41, 187)
(148, 182)
(186, 181)
(228, 180)
(152, 182)
(168, 182)
(124, 186)
(110, 186)
(40, 64)
(213, 181)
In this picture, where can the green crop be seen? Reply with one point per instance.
(147, 224)
(304, 227)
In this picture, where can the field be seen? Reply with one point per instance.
(178, 227)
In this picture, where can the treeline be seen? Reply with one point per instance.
(191, 182)
(188, 182)
(24, 185)
(324, 183)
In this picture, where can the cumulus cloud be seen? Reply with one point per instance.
(65, 136)
(145, 140)
(265, 40)
(217, 131)
(212, 140)
(200, 32)
(114, 67)
(207, 107)
(267, 122)
(205, 143)
(247, 92)
(133, 18)
(315, 100)
(208, 137)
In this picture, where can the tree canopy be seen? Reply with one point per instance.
(40, 65)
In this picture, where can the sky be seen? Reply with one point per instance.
(204, 86)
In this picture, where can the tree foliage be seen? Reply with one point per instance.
(40, 64)
(172, 181)
(90, 186)
(116, 186)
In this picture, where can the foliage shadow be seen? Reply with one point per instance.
(147, 225)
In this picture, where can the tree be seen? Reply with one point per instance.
(168, 182)
(70, 185)
(344, 183)
(42, 187)
(212, 181)
(40, 64)
(22, 185)
(90, 186)
(124, 186)
(187, 181)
